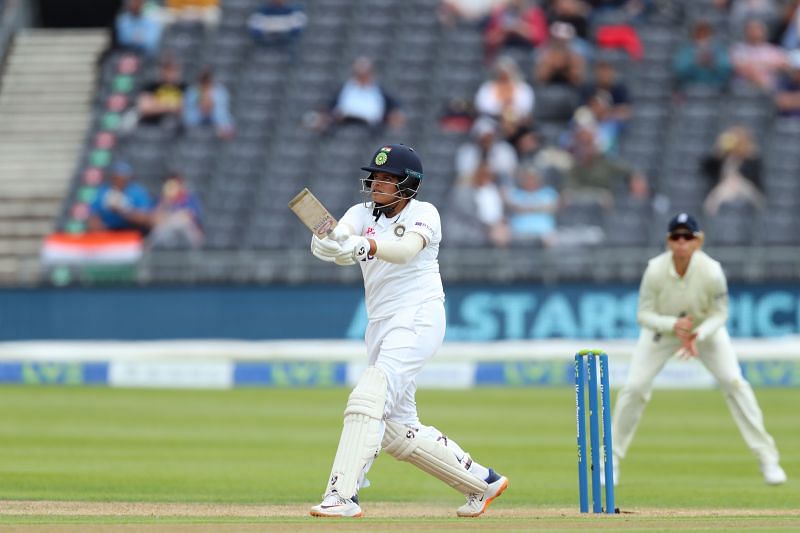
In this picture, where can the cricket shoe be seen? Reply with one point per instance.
(334, 506)
(478, 502)
(773, 474)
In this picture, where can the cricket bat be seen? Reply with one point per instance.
(312, 213)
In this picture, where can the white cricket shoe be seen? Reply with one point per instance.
(477, 503)
(773, 474)
(334, 506)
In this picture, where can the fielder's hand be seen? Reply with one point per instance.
(325, 249)
(357, 248)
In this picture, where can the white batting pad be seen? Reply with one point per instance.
(361, 436)
(431, 456)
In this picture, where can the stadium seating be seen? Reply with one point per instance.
(244, 183)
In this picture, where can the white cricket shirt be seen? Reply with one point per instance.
(701, 293)
(388, 286)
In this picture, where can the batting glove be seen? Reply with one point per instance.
(355, 247)
(340, 233)
(325, 249)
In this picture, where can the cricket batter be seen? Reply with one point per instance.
(395, 238)
(683, 307)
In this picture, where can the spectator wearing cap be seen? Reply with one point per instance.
(734, 169)
(516, 24)
(682, 311)
(703, 61)
(757, 62)
(485, 147)
(277, 23)
(138, 30)
(161, 101)
(606, 78)
(787, 99)
(207, 104)
(557, 63)
(177, 218)
(506, 95)
(361, 100)
(121, 203)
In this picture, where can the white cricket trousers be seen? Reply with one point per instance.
(400, 346)
(716, 353)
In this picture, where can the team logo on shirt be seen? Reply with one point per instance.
(399, 230)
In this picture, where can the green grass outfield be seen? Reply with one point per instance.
(260, 457)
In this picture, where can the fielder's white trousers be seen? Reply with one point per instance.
(716, 353)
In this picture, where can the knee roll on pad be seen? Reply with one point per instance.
(361, 436)
(405, 444)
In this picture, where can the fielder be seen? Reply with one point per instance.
(395, 240)
(683, 307)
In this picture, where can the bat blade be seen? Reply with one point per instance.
(312, 213)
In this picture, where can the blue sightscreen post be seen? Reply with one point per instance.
(580, 410)
(608, 448)
(594, 432)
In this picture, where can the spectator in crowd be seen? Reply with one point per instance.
(458, 115)
(506, 95)
(607, 80)
(277, 22)
(740, 12)
(572, 12)
(557, 63)
(734, 170)
(473, 12)
(121, 203)
(789, 30)
(361, 100)
(138, 30)
(485, 148)
(595, 178)
(757, 62)
(703, 61)
(533, 151)
(480, 203)
(190, 11)
(531, 205)
(177, 218)
(787, 98)
(518, 24)
(161, 100)
(597, 116)
(208, 104)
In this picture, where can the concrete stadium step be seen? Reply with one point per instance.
(20, 247)
(40, 190)
(19, 270)
(28, 210)
(27, 228)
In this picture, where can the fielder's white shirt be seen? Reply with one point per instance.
(701, 293)
(388, 286)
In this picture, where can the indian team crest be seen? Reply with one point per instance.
(399, 230)
(383, 156)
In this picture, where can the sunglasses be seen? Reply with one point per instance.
(679, 236)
